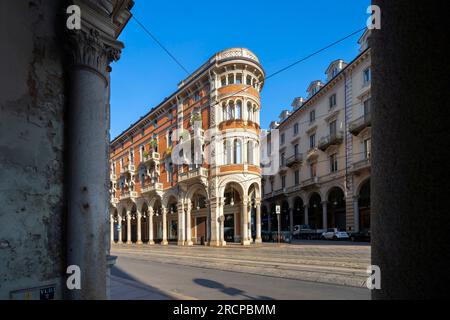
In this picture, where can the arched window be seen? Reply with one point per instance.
(169, 139)
(239, 78)
(231, 78)
(237, 151)
(238, 110)
(250, 152)
(250, 111)
(224, 110)
(255, 113)
(230, 112)
(249, 81)
(227, 153)
(223, 81)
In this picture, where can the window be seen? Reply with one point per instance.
(169, 139)
(333, 128)
(239, 78)
(141, 152)
(297, 177)
(366, 143)
(296, 150)
(333, 101)
(283, 182)
(224, 112)
(366, 76)
(249, 81)
(312, 141)
(282, 159)
(196, 96)
(231, 78)
(282, 139)
(333, 163)
(155, 123)
(223, 81)
(250, 152)
(239, 110)
(295, 129)
(334, 72)
(367, 107)
(227, 152)
(131, 156)
(250, 111)
(313, 169)
(237, 151)
(170, 172)
(312, 116)
(230, 111)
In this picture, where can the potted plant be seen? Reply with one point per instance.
(154, 144)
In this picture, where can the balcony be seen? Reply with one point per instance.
(128, 195)
(130, 168)
(331, 140)
(194, 174)
(311, 183)
(115, 200)
(113, 177)
(361, 165)
(152, 187)
(312, 154)
(151, 156)
(358, 125)
(295, 160)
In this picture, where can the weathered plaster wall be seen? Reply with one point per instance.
(31, 146)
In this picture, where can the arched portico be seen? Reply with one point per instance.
(336, 209)
(315, 217)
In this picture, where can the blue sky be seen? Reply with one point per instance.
(278, 32)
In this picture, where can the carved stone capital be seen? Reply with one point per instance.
(88, 50)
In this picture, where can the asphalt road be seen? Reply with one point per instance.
(189, 282)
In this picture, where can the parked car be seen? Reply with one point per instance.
(334, 234)
(360, 236)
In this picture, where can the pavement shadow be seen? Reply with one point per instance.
(234, 292)
(138, 286)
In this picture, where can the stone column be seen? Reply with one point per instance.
(306, 220)
(244, 216)
(324, 215)
(150, 226)
(120, 225)
(139, 231)
(291, 215)
(216, 213)
(258, 222)
(181, 228)
(188, 210)
(128, 227)
(356, 213)
(164, 226)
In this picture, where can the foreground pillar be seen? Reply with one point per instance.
(120, 226)
(128, 227)
(306, 207)
(111, 220)
(139, 231)
(410, 134)
(181, 228)
(244, 232)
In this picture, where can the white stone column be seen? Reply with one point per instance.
(188, 210)
(356, 213)
(244, 216)
(150, 226)
(216, 230)
(181, 228)
(164, 226)
(306, 214)
(258, 222)
(324, 215)
(120, 225)
(139, 231)
(128, 227)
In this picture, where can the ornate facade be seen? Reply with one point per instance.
(214, 195)
(325, 153)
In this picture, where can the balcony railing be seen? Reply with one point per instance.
(128, 195)
(312, 182)
(193, 174)
(152, 187)
(127, 168)
(330, 140)
(152, 156)
(358, 125)
(296, 159)
(362, 164)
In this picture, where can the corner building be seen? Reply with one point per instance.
(154, 200)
